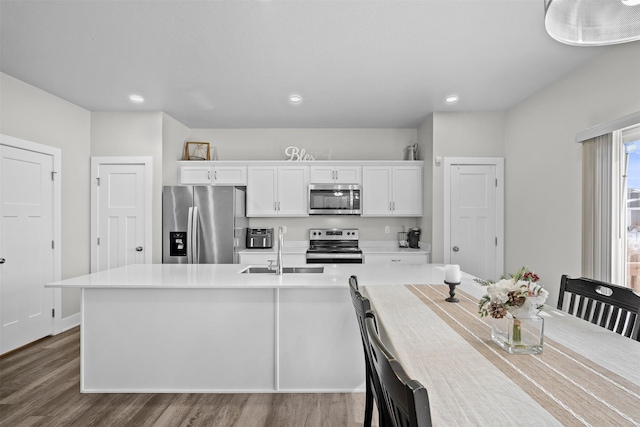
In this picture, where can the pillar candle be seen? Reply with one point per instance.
(452, 273)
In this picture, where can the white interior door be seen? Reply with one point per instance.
(122, 209)
(474, 233)
(26, 246)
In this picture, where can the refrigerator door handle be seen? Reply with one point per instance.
(189, 236)
(194, 237)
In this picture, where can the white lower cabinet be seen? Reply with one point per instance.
(417, 258)
(220, 341)
(262, 258)
(320, 347)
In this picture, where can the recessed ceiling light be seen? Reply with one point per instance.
(136, 99)
(295, 99)
(451, 99)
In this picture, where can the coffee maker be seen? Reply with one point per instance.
(414, 238)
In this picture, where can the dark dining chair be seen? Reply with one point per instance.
(361, 306)
(406, 399)
(613, 307)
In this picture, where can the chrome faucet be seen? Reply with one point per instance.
(280, 243)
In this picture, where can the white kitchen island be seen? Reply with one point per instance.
(156, 328)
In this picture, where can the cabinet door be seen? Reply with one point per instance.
(321, 174)
(262, 187)
(407, 191)
(376, 191)
(293, 188)
(348, 175)
(230, 175)
(190, 175)
(418, 258)
(256, 258)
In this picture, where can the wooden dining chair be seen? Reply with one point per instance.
(372, 393)
(406, 399)
(613, 307)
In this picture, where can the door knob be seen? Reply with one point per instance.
(2, 260)
(456, 249)
(139, 249)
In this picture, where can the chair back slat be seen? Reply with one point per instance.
(610, 306)
(407, 400)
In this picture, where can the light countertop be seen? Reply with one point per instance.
(213, 276)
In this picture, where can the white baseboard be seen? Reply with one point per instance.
(68, 323)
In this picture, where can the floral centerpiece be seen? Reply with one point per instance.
(517, 298)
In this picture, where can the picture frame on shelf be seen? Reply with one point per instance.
(196, 151)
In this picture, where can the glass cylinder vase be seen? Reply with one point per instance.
(518, 336)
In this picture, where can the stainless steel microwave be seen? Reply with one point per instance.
(335, 199)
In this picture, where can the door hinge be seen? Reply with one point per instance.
(496, 241)
(98, 181)
(53, 244)
(53, 175)
(98, 241)
(53, 312)
(496, 182)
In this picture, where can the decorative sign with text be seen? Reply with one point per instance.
(297, 154)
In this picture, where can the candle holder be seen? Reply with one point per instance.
(452, 291)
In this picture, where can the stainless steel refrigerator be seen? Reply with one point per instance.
(203, 224)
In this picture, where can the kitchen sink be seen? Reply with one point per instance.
(286, 270)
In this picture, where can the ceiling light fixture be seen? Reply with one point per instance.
(592, 22)
(295, 99)
(451, 99)
(136, 99)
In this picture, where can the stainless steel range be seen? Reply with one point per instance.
(334, 246)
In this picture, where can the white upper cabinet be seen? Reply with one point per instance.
(277, 190)
(194, 175)
(332, 174)
(230, 175)
(213, 175)
(392, 191)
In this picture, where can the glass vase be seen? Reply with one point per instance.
(518, 336)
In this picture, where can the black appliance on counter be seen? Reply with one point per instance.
(334, 246)
(259, 238)
(414, 238)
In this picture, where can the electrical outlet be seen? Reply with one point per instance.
(386, 229)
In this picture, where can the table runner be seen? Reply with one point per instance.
(573, 389)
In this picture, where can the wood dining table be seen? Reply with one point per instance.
(585, 376)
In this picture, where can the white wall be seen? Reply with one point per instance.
(134, 134)
(173, 133)
(543, 161)
(343, 144)
(425, 152)
(29, 113)
(459, 135)
(270, 144)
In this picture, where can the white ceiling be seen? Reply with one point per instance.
(233, 64)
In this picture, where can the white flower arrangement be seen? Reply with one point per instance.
(519, 296)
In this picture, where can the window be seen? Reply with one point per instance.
(611, 201)
(630, 212)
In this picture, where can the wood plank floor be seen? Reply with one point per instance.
(40, 386)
